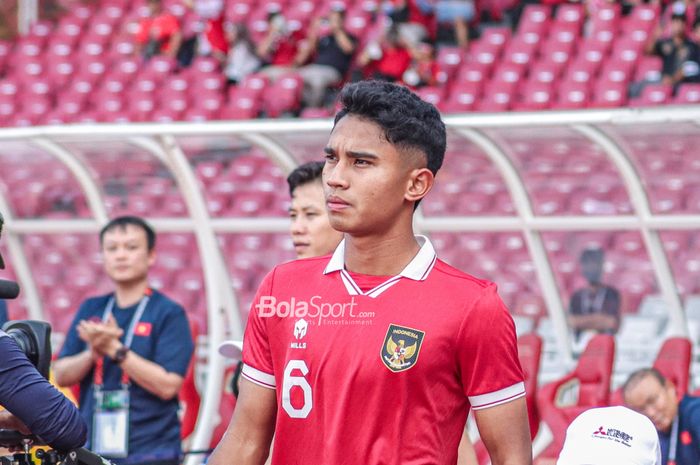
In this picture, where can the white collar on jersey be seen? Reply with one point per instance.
(418, 269)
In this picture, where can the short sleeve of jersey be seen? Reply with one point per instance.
(488, 353)
(257, 358)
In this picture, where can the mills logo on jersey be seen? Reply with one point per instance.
(401, 347)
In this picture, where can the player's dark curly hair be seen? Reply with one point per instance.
(407, 121)
(304, 174)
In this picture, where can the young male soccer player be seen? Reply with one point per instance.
(375, 355)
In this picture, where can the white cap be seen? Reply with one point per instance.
(601, 436)
(231, 349)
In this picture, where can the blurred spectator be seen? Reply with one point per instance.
(680, 55)
(696, 30)
(458, 13)
(242, 59)
(3, 312)
(414, 19)
(158, 33)
(424, 69)
(387, 59)
(677, 422)
(211, 41)
(595, 307)
(332, 48)
(279, 47)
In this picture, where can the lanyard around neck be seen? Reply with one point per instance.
(99, 364)
(673, 445)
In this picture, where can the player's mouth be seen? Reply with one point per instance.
(335, 203)
(301, 246)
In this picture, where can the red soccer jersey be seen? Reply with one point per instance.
(385, 376)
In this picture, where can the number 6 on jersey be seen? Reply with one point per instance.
(288, 382)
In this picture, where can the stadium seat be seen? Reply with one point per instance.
(573, 15)
(588, 385)
(648, 69)
(530, 354)
(449, 59)
(535, 18)
(283, 96)
(673, 362)
(609, 94)
(652, 95)
(687, 93)
(226, 406)
(498, 96)
(189, 396)
(462, 97)
(572, 95)
(535, 96)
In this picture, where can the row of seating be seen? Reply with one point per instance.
(588, 385)
(77, 72)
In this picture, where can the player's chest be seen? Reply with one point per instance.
(368, 336)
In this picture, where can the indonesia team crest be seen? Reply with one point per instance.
(401, 347)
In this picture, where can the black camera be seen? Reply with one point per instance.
(34, 340)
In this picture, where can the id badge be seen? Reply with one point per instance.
(110, 426)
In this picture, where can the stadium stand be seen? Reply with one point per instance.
(81, 69)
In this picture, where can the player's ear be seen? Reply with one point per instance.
(151, 257)
(420, 182)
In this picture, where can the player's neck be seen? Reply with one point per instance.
(128, 294)
(387, 256)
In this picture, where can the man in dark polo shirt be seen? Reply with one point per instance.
(129, 350)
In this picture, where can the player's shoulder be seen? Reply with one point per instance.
(297, 269)
(450, 275)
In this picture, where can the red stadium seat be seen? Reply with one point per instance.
(546, 72)
(530, 354)
(535, 96)
(189, 396)
(498, 96)
(616, 71)
(431, 94)
(609, 94)
(462, 97)
(557, 52)
(606, 17)
(582, 70)
(226, 406)
(284, 95)
(450, 59)
(535, 18)
(688, 93)
(653, 94)
(588, 385)
(649, 69)
(673, 362)
(573, 15)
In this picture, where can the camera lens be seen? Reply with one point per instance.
(25, 343)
